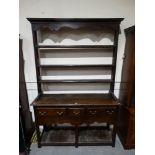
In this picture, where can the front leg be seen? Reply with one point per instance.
(38, 136)
(114, 135)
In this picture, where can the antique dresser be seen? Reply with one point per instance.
(75, 66)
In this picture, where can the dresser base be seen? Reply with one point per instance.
(83, 112)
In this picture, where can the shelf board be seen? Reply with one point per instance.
(77, 81)
(91, 92)
(70, 65)
(59, 137)
(91, 136)
(76, 46)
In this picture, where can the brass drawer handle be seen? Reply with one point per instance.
(59, 113)
(110, 111)
(76, 112)
(42, 113)
(93, 112)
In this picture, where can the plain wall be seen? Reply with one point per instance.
(71, 9)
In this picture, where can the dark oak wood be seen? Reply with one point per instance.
(126, 127)
(71, 99)
(105, 20)
(74, 23)
(126, 119)
(75, 109)
(114, 57)
(34, 34)
(37, 128)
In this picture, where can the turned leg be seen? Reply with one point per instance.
(108, 126)
(76, 136)
(114, 135)
(38, 136)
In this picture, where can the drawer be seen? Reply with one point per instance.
(43, 112)
(100, 111)
(75, 112)
(101, 114)
(60, 115)
(50, 115)
(76, 116)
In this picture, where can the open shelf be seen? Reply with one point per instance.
(87, 136)
(75, 65)
(91, 137)
(75, 61)
(76, 81)
(58, 137)
(74, 87)
(91, 92)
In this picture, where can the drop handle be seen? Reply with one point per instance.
(109, 111)
(42, 113)
(76, 112)
(59, 113)
(93, 112)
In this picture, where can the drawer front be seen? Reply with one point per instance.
(60, 115)
(50, 115)
(75, 112)
(41, 112)
(101, 114)
(75, 115)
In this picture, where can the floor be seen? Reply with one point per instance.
(82, 150)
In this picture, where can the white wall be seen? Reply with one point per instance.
(71, 9)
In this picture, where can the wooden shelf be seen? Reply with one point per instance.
(58, 137)
(91, 137)
(76, 46)
(71, 66)
(77, 81)
(87, 136)
(90, 92)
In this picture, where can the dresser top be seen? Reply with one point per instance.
(74, 23)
